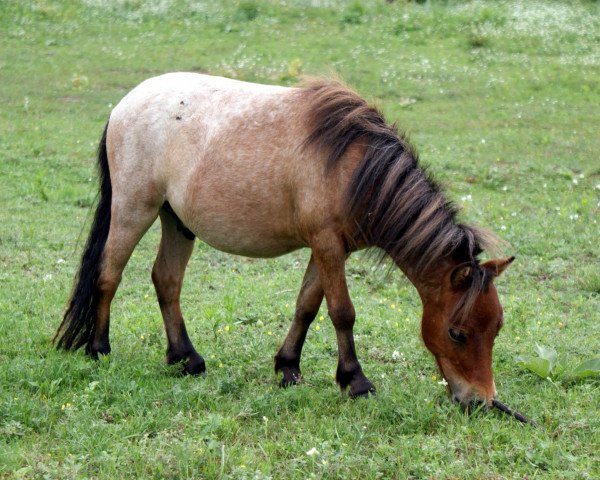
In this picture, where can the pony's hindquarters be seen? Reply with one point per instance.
(79, 321)
(120, 221)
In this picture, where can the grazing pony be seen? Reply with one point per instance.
(260, 171)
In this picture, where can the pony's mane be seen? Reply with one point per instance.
(395, 203)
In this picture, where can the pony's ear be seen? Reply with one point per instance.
(498, 265)
(461, 277)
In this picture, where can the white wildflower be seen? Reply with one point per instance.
(312, 451)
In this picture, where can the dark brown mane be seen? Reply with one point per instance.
(396, 205)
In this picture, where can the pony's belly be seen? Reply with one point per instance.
(248, 242)
(253, 228)
(266, 250)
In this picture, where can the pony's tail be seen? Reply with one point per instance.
(79, 321)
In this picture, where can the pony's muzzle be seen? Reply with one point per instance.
(471, 405)
(469, 395)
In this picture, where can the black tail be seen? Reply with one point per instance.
(79, 322)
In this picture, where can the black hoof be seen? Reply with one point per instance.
(360, 385)
(194, 366)
(290, 368)
(193, 363)
(291, 376)
(95, 349)
(364, 392)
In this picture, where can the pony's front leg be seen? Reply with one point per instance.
(287, 360)
(329, 255)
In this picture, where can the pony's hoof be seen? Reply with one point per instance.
(96, 349)
(194, 366)
(290, 377)
(360, 385)
(193, 363)
(362, 388)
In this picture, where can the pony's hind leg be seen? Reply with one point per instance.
(309, 300)
(175, 249)
(127, 227)
(121, 219)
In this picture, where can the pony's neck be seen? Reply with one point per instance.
(429, 282)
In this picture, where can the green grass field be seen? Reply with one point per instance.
(502, 99)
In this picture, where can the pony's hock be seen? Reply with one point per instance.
(260, 171)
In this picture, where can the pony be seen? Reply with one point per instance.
(260, 171)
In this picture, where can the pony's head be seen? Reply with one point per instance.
(461, 318)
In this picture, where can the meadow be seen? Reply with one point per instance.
(502, 101)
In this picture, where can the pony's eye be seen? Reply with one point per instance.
(457, 335)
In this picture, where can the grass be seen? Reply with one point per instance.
(501, 99)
